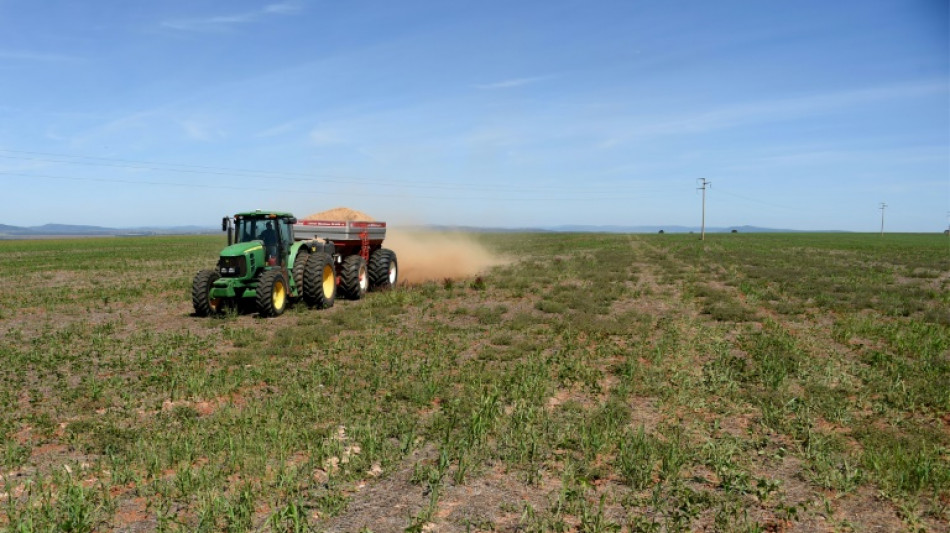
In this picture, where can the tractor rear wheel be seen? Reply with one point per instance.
(201, 298)
(383, 271)
(272, 294)
(300, 266)
(319, 282)
(354, 278)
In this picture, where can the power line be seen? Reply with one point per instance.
(503, 197)
(756, 200)
(48, 157)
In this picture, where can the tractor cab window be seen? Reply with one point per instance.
(270, 231)
(286, 237)
(249, 229)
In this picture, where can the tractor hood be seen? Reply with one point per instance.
(242, 260)
(242, 248)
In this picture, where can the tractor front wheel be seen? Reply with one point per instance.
(201, 298)
(272, 294)
(354, 278)
(383, 271)
(319, 282)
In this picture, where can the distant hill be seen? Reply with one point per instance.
(69, 229)
(75, 230)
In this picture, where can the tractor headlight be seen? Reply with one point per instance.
(232, 266)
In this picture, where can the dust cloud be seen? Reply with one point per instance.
(426, 255)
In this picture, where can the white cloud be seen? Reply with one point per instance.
(323, 137)
(516, 82)
(620, 129)
(25, 55)
(201, 131)
(814, 156)
(227, 22)
(788, 108)
(283, 8)
(279, 129)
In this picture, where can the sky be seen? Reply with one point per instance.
(804, 115)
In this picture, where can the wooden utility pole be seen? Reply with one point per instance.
(883, 206)
(703, 184)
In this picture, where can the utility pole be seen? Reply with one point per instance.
(883, 206)
(703, 184)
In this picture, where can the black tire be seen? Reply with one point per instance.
(272, 294)
(354, 277)
(300, 266)
(201, 298)
(319, 282)
(383, 269)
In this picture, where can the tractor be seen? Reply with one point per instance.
(273, 260)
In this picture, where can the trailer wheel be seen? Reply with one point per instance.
(300, 266)
(354, 277)
(319, 283)
(201, 298)
(383, 269)
(271, 294)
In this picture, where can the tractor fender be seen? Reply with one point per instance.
(296, 247)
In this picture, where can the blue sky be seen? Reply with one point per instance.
(803, 115)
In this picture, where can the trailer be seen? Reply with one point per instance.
(351, 236)
(273, 259)
(349, 241)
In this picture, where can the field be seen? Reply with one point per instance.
(594, 383)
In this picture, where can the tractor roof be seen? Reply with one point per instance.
(264, 214)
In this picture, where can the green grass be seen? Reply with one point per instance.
(597, 383)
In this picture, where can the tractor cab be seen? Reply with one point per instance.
(273, 230)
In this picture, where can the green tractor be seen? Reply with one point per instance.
(268, 265)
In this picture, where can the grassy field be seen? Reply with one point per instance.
(788, 382)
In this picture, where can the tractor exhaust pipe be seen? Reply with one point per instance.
(227, 226)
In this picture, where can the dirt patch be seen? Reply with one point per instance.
(132, 515)
(867, 511)
(495, 501)
(644, 413)
(386, 505)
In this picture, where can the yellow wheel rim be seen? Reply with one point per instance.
(328, 281)
(280, 295)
